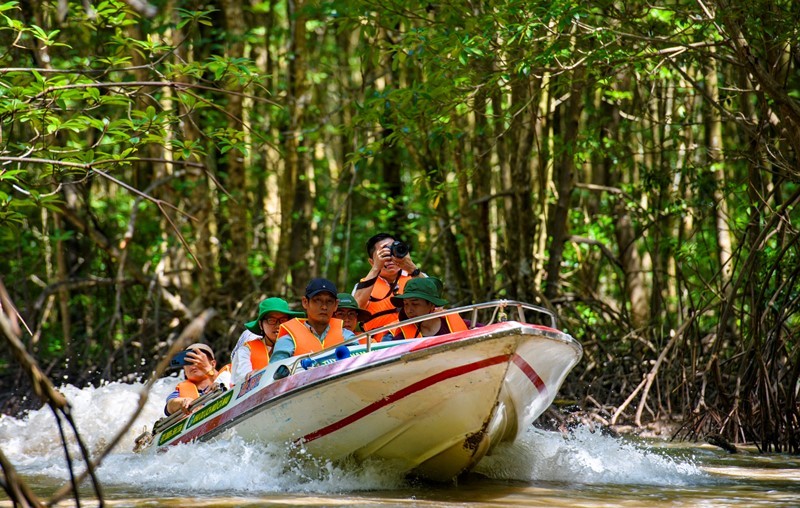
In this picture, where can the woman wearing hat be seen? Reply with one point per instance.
(199, 367)
(254, 354)
(420, 297)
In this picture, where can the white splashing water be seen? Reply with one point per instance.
(586, 456)
(231, 465)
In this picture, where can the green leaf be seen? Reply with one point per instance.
(11, 174)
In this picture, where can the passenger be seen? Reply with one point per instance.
(319, 330)
(199, 367)
(254, 353)
(389, 272)
(423, 296)
(353, 316)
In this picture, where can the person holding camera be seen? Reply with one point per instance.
(391, 267)
(199, 368)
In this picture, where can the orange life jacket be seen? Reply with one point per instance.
(259, 353)
(189, 390)
(380, 304)
(305, 341)
(453, 321)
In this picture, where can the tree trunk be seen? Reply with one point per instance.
(62, 276)
(391, 156)
(474, 206)
(631, 262)
(716, 162)
(236, 270)
(501, 180)
(294, 248)
(468, 222)
(518, 238)
(564, 175)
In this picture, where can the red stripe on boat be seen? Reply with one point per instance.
(526, 368)
(401, 394)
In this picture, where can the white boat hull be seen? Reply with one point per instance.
(433, 406)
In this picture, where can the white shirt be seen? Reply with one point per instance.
(224, 378)
(240, 357)
(246, 336)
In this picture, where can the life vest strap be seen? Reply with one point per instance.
(367, 283)
(384, 312)
(392, 288)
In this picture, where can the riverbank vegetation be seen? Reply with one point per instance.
(633, 167)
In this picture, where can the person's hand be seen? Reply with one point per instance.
(406, 264)
(199, 360)
(380, 257)
(185, 403)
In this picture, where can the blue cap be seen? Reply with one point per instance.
(317, 286)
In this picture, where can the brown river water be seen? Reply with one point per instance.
(543, 468)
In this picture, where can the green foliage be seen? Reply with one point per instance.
(76, 129)
(76, 120)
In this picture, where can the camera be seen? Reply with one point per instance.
(399, 249)
(180, 360)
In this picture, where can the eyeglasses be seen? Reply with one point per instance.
(340, 314)
(276, 321)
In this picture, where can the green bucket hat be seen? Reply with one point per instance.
(426, 288)
(273, 304)
(347, 301)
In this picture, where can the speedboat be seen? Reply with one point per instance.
(433, 406)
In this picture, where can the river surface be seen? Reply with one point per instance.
(543, 468)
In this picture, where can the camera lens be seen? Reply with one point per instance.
(399, 249)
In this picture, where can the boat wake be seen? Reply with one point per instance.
(230, 465)
(589, 457)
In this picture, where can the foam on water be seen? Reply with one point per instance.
(228, 464)
(33, 441)
(233, 466)
(587, 456)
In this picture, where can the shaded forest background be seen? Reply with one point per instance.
(634, 167)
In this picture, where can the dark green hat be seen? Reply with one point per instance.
(347, 301)
(426, 288)
(271, 305)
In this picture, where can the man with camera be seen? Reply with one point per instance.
(391, 267)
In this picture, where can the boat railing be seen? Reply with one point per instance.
(177, 416)
(502, 310)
